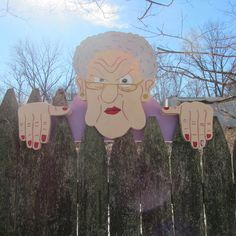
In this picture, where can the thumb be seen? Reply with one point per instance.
(58, 110)
(171, 110)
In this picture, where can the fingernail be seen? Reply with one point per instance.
(208, 136)
(43, 137)
(64, 108)
(194, 144)
(166, 108)
(36, 145)
(22, 137)
(29, 143)
(187, 137)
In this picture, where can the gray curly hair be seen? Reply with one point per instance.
(127, 42)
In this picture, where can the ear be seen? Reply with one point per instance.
(81, 85)
(146, 86)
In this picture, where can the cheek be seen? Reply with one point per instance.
(133, 109)
(93, 108)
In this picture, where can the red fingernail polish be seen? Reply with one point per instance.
(208, 136)
(187, 137)
(22, 137)
(194, 144)
(29, 143)
(64, 108)
(43, 138)
(36, 145)
(166, 108)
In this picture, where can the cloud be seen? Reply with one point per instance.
(97, 12)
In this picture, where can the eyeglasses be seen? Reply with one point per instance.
(123, 87)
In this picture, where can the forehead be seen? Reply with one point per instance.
(112, 56)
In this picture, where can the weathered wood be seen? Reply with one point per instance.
(218, 185)
(34, 96)
(28, 176)
(186, 188)
(56, 196)
(234, 172)
(155, 183)
(124, 187)
(8, 164)
(92, 185)
(47, 189)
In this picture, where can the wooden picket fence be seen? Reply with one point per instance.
(146, 189)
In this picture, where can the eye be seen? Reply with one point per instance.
(98, 80)
(126, 80)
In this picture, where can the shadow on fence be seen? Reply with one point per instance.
(69, 189)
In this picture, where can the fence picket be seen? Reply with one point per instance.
(8, 164)
(218, 185)
(155, 183)
(186, 188)
(124, 187)
(92, 185)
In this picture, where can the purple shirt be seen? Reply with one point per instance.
(151, 108)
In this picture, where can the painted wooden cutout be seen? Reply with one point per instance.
(115, 72)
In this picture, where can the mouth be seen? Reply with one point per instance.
(112, 110)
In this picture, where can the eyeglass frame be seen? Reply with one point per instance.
(118, 85)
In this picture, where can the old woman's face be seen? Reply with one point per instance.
(114, 90)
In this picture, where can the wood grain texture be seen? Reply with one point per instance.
(8, 164)
(47, 185)
(186, 188)
(155, 183)
(92, 185)
(218, 185)
(124, 187)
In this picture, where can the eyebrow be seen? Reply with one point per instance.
(111, 71)
(120, 76)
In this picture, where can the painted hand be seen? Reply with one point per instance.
(35, 122)
(196, 120)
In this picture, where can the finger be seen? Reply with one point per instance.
(45, 128)
(194, 128)
(209, 123)
(21, 121)
(29, 130)
(185, 124)
(201, 128)
(36, 131)
(58, 110)
(171, 110)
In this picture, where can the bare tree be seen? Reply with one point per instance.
(168, 83)
(208, 56)
(38, 66)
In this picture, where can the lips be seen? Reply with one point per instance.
(112, 110)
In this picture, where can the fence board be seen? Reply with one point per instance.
(92, 185)
(234, 171)
(47, 187)
(8, 163)
(186, 188)
(56, 196)
(219, 189)
(28, 173)
(155, 183)
(124, 187)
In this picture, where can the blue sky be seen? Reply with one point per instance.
(68, 23)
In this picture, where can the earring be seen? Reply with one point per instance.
(145, 96)
(81, 94)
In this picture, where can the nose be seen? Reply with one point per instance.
(109, 93)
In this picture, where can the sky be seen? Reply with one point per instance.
(67, 22)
